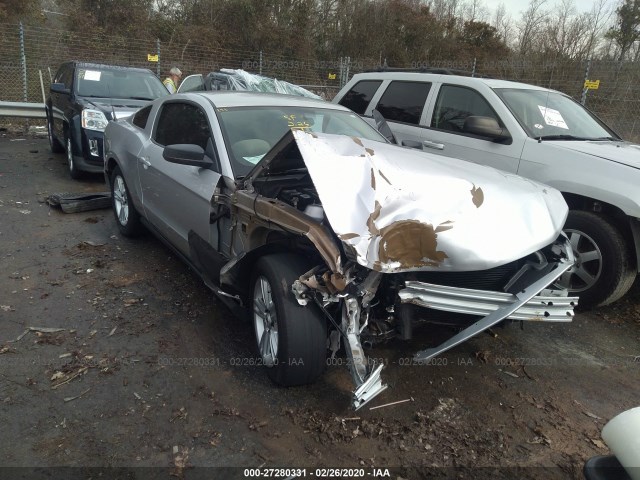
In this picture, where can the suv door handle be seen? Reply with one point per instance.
(430, 144)
(145, 162)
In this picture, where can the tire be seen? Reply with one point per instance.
(53, 143)
(604, 269)
(73, 169)
(127, 217)
(299, 354)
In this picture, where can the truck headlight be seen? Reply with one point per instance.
(94, 120)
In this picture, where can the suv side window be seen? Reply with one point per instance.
(182, 123)
(455, 104)
(360, 95)
(141, 117)
(65, 76)
(404, 101)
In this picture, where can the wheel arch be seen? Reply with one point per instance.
(628, 226)
(238, 272)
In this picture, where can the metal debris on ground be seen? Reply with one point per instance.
(46, 329)
(410, 399)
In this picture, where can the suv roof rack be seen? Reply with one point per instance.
(437, 70)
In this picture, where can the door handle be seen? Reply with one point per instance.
(145, 162)
(434, 145)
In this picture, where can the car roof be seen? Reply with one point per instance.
(223, 99)
(103, 66)
(417, 76)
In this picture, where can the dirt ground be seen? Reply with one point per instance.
(143, 367)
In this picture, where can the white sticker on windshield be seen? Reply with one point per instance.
(255, 159)
(92, 75)
(552, 117)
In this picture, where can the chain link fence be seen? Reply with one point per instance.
(28, 53)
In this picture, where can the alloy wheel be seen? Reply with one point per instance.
(588, 267)
(265, 320)
(120, 200)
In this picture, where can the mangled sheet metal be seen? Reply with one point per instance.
(242, 80)
(407, 210)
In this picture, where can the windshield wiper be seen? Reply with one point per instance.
(611, 139)
(561, 137)
(140, 98)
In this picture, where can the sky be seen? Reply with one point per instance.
(516, 7)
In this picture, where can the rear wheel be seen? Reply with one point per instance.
(604, 270)
(73, 169)
(291, 339)
(127, 217)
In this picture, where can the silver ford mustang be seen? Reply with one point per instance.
(300, 213)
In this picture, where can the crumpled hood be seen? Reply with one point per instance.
(622, 152)
(401, 209)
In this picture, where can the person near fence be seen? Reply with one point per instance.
(173, 80)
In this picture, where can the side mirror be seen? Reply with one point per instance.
(59, 88)
(485, 127)
(187, 154)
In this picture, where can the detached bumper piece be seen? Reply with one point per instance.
(549, 307)
(371, 387)
(524, 304)
(80, 202)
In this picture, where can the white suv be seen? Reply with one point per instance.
(535, 132)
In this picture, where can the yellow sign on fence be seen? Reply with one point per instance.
(152, 58)
(591, 84)
(332, 76)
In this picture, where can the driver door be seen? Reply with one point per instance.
(177, 198)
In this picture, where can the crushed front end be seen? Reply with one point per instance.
(405, 238)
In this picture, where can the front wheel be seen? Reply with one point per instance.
(127, 217)
(73, 169)
(604, 270)
(291, 339)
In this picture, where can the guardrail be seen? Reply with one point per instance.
(22, 109)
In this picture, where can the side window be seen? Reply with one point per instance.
(404, 101)
(65, 76)
(141, 117)
(182, 123)
(455, 104)
(359, 97)
(193, 83)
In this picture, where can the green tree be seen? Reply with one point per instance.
(627, 29)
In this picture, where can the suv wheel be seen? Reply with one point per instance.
(53, 143)
(291, 339)
(604, 269)
(73, 170)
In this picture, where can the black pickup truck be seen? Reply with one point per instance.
(83, 98)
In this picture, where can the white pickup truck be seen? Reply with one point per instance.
(537, 133)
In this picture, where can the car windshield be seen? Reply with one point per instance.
(553, 116)
(250, 132)
(114, 83)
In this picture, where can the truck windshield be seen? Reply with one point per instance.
(114, 83)
(553, 116)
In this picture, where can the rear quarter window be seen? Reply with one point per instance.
(360, 95)
(141, 116)
(404, 101)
